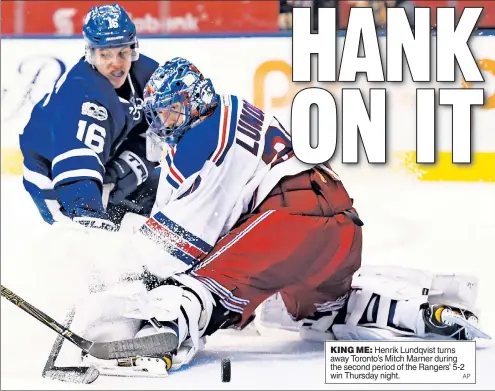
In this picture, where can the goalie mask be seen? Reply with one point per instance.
(176, 98)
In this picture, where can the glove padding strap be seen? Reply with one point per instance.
(136, 164)
(95, 222)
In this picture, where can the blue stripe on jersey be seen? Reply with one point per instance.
(192, 189)
(168, 246)
(147, 231)
(182, 232)
(181, 255)
(77, 163)
(168, 160)
(232, 129)
(174, 184)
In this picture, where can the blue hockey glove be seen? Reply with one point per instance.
(127, 172)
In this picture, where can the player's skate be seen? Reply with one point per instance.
(452, 322)
(132, 366)
(148, 366)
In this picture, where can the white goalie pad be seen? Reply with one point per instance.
(272, 316)
(457, 290)
(408, 287)
(374, 289)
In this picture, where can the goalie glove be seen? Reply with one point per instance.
(452, 322)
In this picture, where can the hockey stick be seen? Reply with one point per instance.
(153, 345)
(84, 375)
(57, 345)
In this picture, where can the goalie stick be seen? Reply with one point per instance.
(153, 345)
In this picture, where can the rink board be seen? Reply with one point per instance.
(258, 69)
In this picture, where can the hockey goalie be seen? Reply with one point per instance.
(241, 226)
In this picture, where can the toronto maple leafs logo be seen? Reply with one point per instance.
(136, 108)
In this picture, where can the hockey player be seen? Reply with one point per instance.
(89, 131)
(239, 218)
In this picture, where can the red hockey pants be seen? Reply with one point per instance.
(304, 240)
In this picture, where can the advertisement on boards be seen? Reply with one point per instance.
(151, 17)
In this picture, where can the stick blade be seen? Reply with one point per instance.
(156, 345)
(80, 375)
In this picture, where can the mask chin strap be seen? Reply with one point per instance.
(133, 91)
(135, 51)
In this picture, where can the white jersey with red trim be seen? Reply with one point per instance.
(221, 169)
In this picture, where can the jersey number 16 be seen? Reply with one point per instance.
(93, 136)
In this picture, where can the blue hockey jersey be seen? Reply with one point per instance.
(75, 130)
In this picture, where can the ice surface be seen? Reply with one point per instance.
(437, 226)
